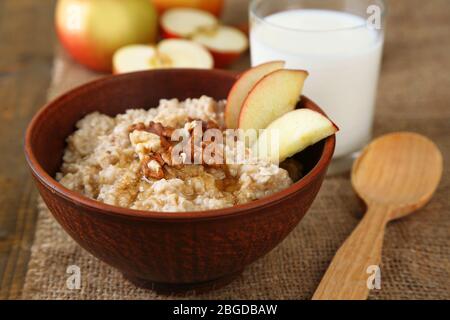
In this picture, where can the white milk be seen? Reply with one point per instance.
(343, 65)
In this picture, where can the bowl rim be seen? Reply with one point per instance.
(96, 206)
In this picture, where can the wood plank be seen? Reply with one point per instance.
(26, 44)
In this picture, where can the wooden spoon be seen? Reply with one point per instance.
(395, 175)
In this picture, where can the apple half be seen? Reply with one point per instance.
(242, 88)
(273, 96)
(225, 43)
(185, 22)
(293, 132)
(170, 53)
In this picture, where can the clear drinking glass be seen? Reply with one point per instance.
(340, 44)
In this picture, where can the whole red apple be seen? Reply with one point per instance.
(92, 30)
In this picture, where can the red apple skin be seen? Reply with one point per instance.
(290, 78)
(230, 110)
(245, 28)
(213, 6)
(79, 48)
(91, 31)
(224, 59)
(169, 35)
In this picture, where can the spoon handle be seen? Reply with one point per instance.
(349, 273)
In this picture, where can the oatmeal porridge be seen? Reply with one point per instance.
(126, 161)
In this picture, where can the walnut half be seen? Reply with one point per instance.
(152, 164)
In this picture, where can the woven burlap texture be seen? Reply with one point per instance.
(413, 96)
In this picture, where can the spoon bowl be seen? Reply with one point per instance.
(399, 170)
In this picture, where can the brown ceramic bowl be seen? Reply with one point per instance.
(169, 252)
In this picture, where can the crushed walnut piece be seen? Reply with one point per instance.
(152, 167)
(153, 160)
(153, 127)
(197, 152)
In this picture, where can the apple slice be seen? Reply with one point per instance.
(295, 131)
(242, 88)
(133, 58)
(274, 95)
(173, 53)
(226, 44)
(185, 22)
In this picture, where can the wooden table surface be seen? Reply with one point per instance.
(26, 47)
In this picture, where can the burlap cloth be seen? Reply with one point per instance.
(414, 95)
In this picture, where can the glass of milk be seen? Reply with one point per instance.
(340, 44)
